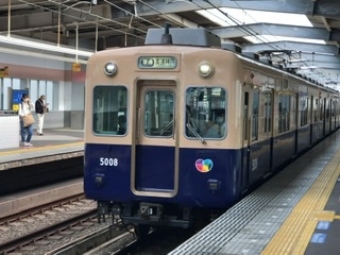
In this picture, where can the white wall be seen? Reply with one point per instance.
(9, 132)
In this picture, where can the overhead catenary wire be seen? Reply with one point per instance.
(80, 19)
(132, 15)
(250, 31)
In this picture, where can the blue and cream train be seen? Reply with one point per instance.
(182, 125)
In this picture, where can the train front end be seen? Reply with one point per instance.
(159, 145)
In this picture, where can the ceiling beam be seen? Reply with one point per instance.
(321, 65)
(275, 29)
(296, 46)
(179, 21)
(326, 8)
(173, 6)
(310, 57)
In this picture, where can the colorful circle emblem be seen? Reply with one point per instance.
(204, 165)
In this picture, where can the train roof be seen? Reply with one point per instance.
(200, 37)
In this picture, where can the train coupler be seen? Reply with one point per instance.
(150, 211)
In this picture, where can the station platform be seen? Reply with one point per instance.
(295, 212)
(55, 144)
(47, 151)
(27, 200)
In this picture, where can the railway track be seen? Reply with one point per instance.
(158, 242)
(40, 209)
(32, 238)
(67, 226)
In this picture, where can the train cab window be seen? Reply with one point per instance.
(109, 110)
(205, 113)
(159, 113)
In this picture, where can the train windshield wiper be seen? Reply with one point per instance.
(167, 127)
(195, 133)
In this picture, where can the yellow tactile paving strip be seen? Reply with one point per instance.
(295, 233)
(40, 148)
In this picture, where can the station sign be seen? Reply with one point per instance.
(4, 72)
(76, 67)
(15, 107)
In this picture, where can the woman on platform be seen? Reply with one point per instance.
(26, 131)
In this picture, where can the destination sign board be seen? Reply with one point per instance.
(157, 62)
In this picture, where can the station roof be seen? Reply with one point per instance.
(302, 36)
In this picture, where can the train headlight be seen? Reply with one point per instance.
(110, 69)
(205, 69)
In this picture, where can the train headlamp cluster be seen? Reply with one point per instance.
(205, 69)
(110, 69)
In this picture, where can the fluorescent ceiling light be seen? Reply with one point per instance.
(241, 17)
(244, 17)
(40, 55)
(308, 67)
(43, 46)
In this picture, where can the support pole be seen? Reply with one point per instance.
(77, 40)
(59, 24)
(9, 19)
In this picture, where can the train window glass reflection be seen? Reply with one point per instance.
(205, 114)
(316, 108)
(159, 113)
(303, 109)
(321, 108)
(284, 113)
(267, 98)
(255, 119)
(109, 110)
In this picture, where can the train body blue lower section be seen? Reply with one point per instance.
(155, 171)
(206, 177)
(154, 168)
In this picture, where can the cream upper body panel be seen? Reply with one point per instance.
(228, 74)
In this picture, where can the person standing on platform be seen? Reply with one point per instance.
(25, 111)
(40, 109)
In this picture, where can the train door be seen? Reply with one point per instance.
(246, 138)
(155, 164)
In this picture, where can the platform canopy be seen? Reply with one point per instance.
(299, 35)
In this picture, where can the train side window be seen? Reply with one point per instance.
(206, 113)
(255, 117)
(284, 113)
(109, 110)
(303, 109)
(316, 108)
(322, 102)
(267, 97)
